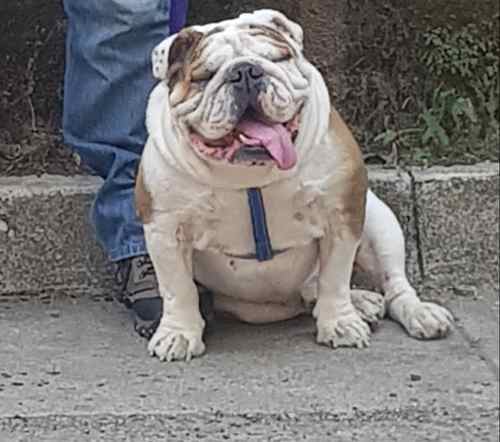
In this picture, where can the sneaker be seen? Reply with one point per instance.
(139, 292)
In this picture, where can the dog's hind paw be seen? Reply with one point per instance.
(369, 305)
(429, 321)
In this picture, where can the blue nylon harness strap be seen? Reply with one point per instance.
(263, 247)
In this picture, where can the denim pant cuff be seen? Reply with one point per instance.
(136, 248)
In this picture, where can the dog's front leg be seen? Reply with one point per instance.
(338, 323)
(179, 334)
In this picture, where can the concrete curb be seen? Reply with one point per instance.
(449, 215)
(456, 217)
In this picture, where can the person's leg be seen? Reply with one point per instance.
(107, 82)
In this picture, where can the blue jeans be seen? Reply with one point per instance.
(106, 86)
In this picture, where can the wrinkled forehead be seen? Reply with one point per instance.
(260, 33)
(276, 23)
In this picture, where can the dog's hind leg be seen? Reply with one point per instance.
(382, 255)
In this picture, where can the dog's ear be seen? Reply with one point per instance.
(183, 44)
(171, 55)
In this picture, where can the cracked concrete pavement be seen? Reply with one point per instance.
(74, 371)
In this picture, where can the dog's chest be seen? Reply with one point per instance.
(290, 219)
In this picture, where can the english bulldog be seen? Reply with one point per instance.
(252, 185)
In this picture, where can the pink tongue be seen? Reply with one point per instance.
(275, 138)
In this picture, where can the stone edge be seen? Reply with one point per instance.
(31, 186)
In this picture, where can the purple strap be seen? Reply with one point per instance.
(178, 13)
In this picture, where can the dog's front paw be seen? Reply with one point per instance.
(427, 320)
(369, 305)
(345, 330)
(170, 344)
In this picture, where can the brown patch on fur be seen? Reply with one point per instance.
(354, 180)
(182, 52)
(143, 200)
(274, 36)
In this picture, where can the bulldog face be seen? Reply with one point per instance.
(236, 89)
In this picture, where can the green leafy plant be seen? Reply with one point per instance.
(459, 105)
(447, 107)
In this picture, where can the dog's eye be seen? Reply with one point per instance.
(279, 54)
(202, 77)
(286, 57)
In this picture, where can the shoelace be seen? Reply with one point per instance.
(143, 264)
(145, 267)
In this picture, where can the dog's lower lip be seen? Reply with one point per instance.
(252, 153)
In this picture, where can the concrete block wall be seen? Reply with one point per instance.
(457, 213)
(47, 245)
(449, 216)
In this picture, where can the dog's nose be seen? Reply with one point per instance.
(246, 75)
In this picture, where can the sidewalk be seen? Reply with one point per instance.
(75, 371)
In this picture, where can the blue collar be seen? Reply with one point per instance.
(263, 248)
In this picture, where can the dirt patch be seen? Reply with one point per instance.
(32, 59)
(366, 50)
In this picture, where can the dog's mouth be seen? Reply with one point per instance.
(254, 142)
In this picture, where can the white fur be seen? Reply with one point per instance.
(201, 229)
(294, 35)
